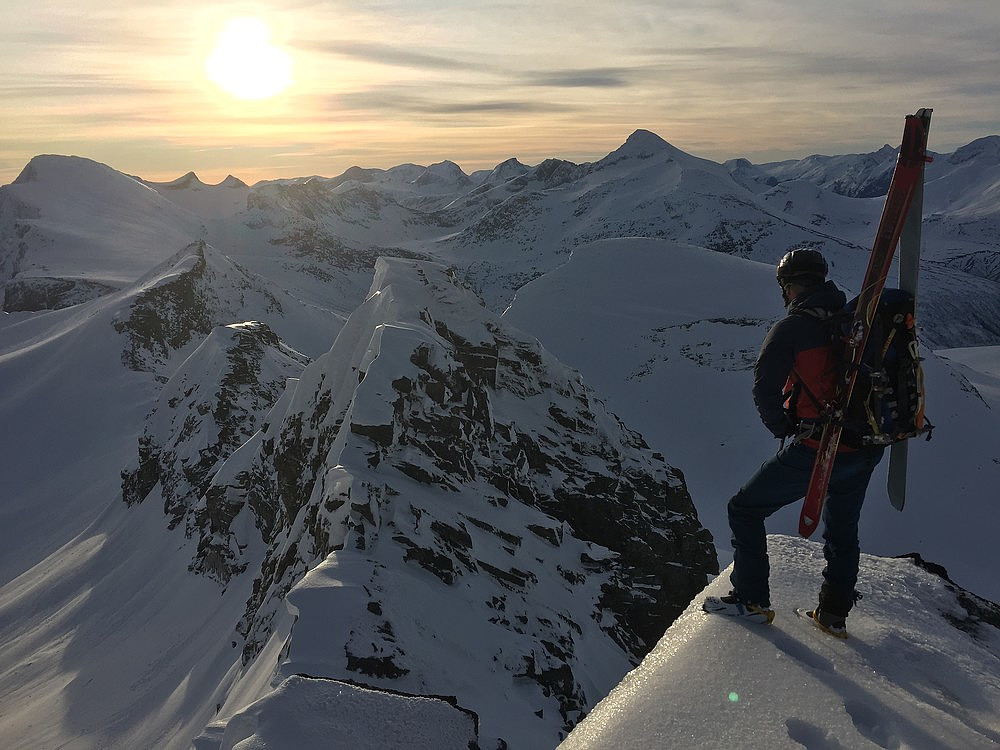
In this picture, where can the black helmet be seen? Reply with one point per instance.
(803, 265)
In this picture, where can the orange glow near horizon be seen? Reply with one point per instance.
(275, 90)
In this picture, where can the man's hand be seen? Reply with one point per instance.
(788, 427)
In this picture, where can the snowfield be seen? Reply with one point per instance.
(919, 670)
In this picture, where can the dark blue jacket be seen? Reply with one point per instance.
(797, 351)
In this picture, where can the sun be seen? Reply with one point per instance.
(246, 64)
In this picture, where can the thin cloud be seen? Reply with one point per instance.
(604, 78)
(387, 54)
(80, 85)
(409, 100)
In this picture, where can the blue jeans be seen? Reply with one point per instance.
(782, 480)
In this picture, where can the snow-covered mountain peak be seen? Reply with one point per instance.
(986, 151)
(645, 141)
(72, 229)
(62, 182)
(356, 175)
(208, 409)
(206, 201)
(182, 300)
(443, 173)
(750, 176)
(407, 286)
(232, 182)
(189, 181)
(437, 460)
(642, 144)
(504, 172)
(72, 172)
(646, 151)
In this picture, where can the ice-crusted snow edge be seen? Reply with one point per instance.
(919, 670)
(313, 714)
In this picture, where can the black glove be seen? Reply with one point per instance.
(788, 427)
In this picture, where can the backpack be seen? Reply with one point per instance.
(887, 404)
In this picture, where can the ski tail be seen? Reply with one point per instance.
(896, 483)
(909, 270)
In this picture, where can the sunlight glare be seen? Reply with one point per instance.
(246, 64)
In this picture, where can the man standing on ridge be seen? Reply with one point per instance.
(795, 375)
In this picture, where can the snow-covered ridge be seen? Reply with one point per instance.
(438, 461)
(209, 408)
(920, 669)
(219, 201)
(356, 716)
(191, 181)
(853, 175)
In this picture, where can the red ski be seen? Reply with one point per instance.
(907, 175)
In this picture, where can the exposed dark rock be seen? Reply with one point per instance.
(197, 424)
(979, 612)
(184, 302)
(33, 294)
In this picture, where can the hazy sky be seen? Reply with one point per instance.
(381, 82)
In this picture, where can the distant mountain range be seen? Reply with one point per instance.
(423, 432)
(64, 219)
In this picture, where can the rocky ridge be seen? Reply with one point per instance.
(437, 450)
(209, 408)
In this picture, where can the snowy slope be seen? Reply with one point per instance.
(207, 201)
(72, 218)
(79, 381)
(852, 175)
(920, 670)
(979, 367)
(62, 435)
(306, 713)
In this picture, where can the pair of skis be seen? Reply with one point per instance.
(900, 223)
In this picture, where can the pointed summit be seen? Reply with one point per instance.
(642, 144)
(646, 140)
(507, 170)
(188, 181)
(232, 182)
